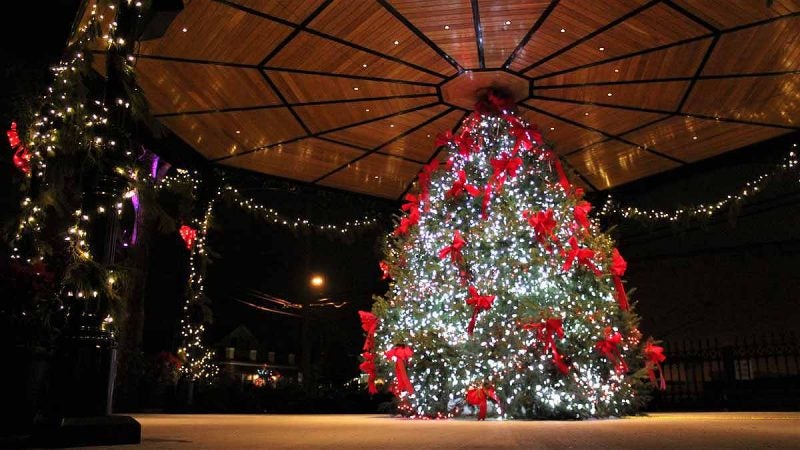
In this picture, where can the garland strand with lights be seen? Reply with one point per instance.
(750, 189)
(506, 299)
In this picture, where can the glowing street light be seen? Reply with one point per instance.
(317, 281)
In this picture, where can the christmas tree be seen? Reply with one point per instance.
(506, 298)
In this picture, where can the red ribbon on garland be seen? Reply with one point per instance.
(399, 354)
(369, 323)
(654, 356)
(546, 332)
(477, 396)
(188, 234)
(581, 214)
(618, 267)
(460, 186)
(368, 366)
(609, 347)
(562, 177)
(582, 255)
(412, 208)
(454, 249)
(22, 155)
(479, 303)
(543, 224)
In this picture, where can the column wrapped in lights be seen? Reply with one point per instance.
(521, 237)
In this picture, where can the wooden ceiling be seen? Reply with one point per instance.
(348, 93)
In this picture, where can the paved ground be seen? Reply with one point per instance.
(693, 430)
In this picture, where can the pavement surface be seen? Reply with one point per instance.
(665, 430)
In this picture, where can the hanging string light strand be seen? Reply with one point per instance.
(751, 188)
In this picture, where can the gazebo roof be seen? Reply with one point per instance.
(352, 93)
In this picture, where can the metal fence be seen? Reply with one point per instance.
(753, 373)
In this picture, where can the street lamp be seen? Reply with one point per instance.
(317, 281)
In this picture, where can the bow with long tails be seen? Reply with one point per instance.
(479, 303)
(399, 354)
(525, 136)
(546, 332)
(369, 323)
(618, 267)
(581, 214)
(503, 168)
(460, 186)
(22, 155)
(477, 396)
(582, 255)
(654, 356)
(562, 176)
(543, 224)
(454, 249)
(368, 366)
(609, 347)
(412, 218)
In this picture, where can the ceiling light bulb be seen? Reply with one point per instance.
(447, 27)
(185, 29)
(355, 88)
(391, 125)
(367, 110)
(563, 30)
(364, 66)
(694, 138)
(610, 94)
(552, 128)
(508, 22)
(602, 49)
(586, 114)
(616, 70)
(396, 42)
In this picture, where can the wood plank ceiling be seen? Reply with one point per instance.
(347, 93)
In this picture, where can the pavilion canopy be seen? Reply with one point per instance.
(352, 93)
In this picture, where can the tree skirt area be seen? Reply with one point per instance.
(664, 430)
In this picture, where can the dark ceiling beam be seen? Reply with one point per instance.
(606, 134)
(692, 16)
(283, 101)
(291, 35)
(662, 80)
(594, 33)
(318, 103)
(422, 36)
(697, 73)
(623, 133)
(303, 27)
(530, 33)
(476, 21)
(435, 153)
(352, 77)
(378, 147)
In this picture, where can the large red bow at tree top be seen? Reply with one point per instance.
(479, 303)
(609, 347)
(399, 354)
(653, 357)
(618, 267)
(477, 396)
(546, 332)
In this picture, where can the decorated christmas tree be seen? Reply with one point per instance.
(506, 298)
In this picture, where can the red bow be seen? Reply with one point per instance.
(188, 234)
(425, 181)
(479, 303)
(581, 214)
(504, 167)
(368, 367)
(654, 356)
(369, 323)
(562, 177)
(443, 138)
(546, 331)
(454, 249)
(412, 207)
(618, 267)
(399, 354)
(582, 255)
(22, 155)
(543, 224)
(477, 396)
(525, 136)
(609, 347)
(487, 197)
(384, 266)
(460, 186)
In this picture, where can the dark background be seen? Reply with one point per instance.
(734, 275)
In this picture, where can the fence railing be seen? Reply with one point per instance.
(756, 372)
